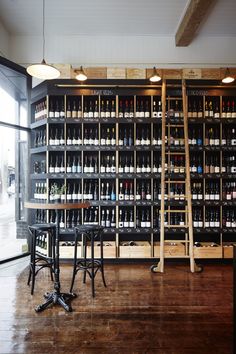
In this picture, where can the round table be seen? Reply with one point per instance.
(56, 297)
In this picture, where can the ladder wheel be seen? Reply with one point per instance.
(154, 269)
(199, 268)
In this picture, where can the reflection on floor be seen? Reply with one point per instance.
(139, 312)
(9, 245)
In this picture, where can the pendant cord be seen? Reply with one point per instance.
(43, 29)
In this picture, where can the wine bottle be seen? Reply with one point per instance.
(233, 109)
(69, 140)
(121, 192)
(200, 111)
(154, 110)
(79, 166)
(74, 110)
(121, 220)
(68, 110)
(96, 111)
(108, 112)
(57, 168)
(108, 194)
(121, 113)
(228, 111)
(113, 193)
(113, 218)
(51, 166)
(147, 111)
(138, 191)
(57, 140)
(126, 111)
(113, 137)
(69, 167)
(113, 109)
(61, 137)
(103, 219)
(108, 220)
(51, 112)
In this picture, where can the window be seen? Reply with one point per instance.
(14, 134)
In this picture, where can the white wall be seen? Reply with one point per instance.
(125, 50)
(4, 41)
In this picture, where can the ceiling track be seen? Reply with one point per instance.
(140, 86)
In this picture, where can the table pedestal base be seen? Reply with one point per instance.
(56, 298)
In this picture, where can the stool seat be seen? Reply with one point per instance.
(42, 227)
(90, 265)
(88, 228)
(38, 260)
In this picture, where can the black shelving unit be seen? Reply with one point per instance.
(142, 152)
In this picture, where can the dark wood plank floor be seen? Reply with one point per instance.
(138, 313)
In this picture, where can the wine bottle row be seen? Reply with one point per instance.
(176, 164)
(93, 107)
(128, 218)
(128, 191)
(212, 107)
(143, 136)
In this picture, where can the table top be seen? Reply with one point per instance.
(56, 206)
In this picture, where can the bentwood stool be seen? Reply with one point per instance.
(38, 260)
(90, 233)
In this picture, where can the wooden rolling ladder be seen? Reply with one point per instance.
(167, 179)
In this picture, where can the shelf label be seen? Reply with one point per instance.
(192, 73)
(136, 73)
(91, 120)
(116, 73)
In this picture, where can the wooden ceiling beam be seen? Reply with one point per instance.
(194, 16)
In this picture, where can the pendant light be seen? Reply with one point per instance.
(155, 76)
(227, 78)
(80, 74)
(43, 70)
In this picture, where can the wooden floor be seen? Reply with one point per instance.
(138, 313)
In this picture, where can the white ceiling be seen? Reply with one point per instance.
(111, 17)
(137, 33)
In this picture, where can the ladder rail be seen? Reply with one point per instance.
(188, 182)
(163, 154)
(189, 253)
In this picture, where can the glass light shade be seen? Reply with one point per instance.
(155, 76)
(228, 78)
(43, 71)
(80, 75)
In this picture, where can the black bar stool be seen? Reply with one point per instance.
(89, 233)
(38, 260)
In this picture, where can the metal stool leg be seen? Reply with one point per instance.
(92, 262)
(102, 264)
(50, 244)
(37, 261)
(33, 261)
(31, 257)
(89, 265)
(85, 255)
(74, 262)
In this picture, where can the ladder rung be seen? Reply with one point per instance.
(178, 181)
(177, 211)
(170, 256)
(175, 153)
(176, 125)
(174, 98)
(174, 197)
(179, 144)
(176, 226)
(176, 241)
